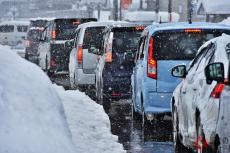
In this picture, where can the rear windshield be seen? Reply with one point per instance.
(34, 34)
(38, 23)
(126, 40)
(6, 28)
(181, 45)
(65, 29)
(93, 37)
(21, 28)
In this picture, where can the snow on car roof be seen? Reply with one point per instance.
(41, 18)
(15, 23)
(94, 24)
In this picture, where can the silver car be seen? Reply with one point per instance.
(83, 57)
(197, 104)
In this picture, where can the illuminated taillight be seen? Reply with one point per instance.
(53, 62)
(80, 54)
(27, 43)
(54, 34)
(108, 53)
(152, 62)
(217, 91)
(108, 57)
(193, 30)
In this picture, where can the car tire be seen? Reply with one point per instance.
(135, 115)
(106, 104)
(104, 101)
(178, 146)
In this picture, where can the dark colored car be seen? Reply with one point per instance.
(53, 55)
(115, 67)
(36, 28)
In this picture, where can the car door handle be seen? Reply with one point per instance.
(183, 92)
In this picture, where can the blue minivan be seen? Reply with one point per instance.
(161, 47)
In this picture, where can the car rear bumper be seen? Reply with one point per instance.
(156, 103)
(83, 78)
(117, 91)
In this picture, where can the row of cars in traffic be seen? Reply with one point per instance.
(161, 67)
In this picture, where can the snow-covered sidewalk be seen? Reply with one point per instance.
(88, 123)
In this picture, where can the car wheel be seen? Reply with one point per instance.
(178, 146)
(104, 101)
(135, 115)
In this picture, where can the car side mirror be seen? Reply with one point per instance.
(179, 71)
(93, 50)
(214, 72)
(69, 43)
(129, 56)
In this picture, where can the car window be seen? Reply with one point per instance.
(6, 28)
(34, 34)
(141, 48)
(125, 40)
(181, 45)
(93, 37)
(76, 37)
(22, 28)
(227, 48)
(195, 63)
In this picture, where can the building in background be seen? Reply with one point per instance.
(214, 10)
(24, 9)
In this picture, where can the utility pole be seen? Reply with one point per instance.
(120, 10)
(141, 4)
(190, 11)
(115, 9)
(170, 10)
(98, 11)
(157, 8)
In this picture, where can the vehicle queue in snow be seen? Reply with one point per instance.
(177, 69)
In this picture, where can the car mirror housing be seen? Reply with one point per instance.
(69, 43)
(179, 71)
(129, 56)
(214, 72)
(95, 50)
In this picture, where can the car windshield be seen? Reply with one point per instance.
(93, 37)
(65, 29)
(38, 23)
(171, 45)
(34, 34)
(125, 40)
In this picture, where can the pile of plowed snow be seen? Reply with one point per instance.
(33, 119)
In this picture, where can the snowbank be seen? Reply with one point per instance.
(89, 124)
(31, 113)
(226, 21)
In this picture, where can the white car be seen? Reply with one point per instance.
(83, 57)
(13, 32)
(196, 100)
